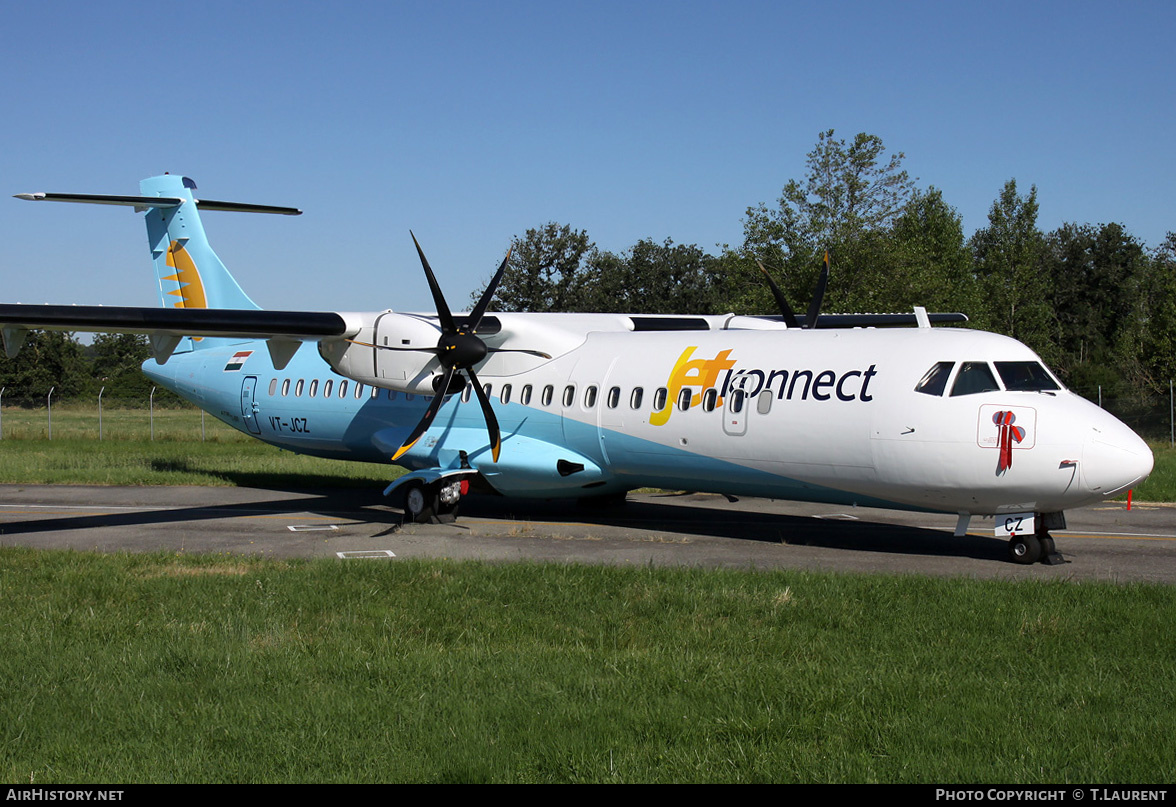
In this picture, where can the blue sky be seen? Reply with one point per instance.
(472, 122)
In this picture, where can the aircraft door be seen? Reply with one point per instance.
(249, 406)
(735, 411)
(610, 414)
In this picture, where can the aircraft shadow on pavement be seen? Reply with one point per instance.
(338, 503)
(672, 513)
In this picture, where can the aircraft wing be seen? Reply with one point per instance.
(284, 331)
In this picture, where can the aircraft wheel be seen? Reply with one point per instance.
(448, 498)
(420, 503)
(1025, 549)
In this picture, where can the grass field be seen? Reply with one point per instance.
(174, 668)
(185, 451)
(155, 668)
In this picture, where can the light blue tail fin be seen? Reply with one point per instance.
(189, 274)
(187, 271)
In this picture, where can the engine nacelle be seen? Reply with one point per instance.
(400, 367)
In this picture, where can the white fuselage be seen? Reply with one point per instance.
(820, 415)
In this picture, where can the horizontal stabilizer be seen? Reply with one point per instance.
(143, 202)
(103, 199)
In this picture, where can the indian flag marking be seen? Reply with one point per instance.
(238, 361)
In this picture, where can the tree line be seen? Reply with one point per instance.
(53, 359)
(1096, 303)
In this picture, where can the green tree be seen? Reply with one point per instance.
(1158, 331)
(850, 197)
(545, 272)
(1011, 281)
(933, 266)
(48, 359)
(1096, 274)
(654, 278)
(116, 359)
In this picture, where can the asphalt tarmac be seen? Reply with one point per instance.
(1105, 542)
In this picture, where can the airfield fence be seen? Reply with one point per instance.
(163, 415)
(108, 415)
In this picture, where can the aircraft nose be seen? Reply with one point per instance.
(1114, 459)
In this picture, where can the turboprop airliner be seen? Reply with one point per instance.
(816, 407)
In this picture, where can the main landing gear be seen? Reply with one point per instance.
(1029, 548)
(434, 502)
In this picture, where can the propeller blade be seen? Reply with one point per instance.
(814, 310)
(443, 312)
(781, 303)
(484, 302)
(491, 420)
(430, 413)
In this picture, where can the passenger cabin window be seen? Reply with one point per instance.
(465, 392)
(504, 396)
(569, 395)
(1025, 376)
(548, 395)
(763, 403)
(935, 380)
(273, 386)
(525, 396)
(709, 399)
(285, 387)
(313, 388)
(298, 388)
(358, 391)
(590, 397)
(684, 398)
(636, 398)
(327, 387)
(614, 397)
(659, 399)
(974, 377)
(342, 389)
(735, 400)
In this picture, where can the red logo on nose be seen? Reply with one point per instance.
(1007, 434)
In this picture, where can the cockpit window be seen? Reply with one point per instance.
(1025, 376)
(974, 377)
(935, 381)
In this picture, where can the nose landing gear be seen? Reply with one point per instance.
(1029, 548)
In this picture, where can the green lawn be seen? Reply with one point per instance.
(165, 668)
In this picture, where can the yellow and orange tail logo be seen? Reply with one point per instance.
(191, 288)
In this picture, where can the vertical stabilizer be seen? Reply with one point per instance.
(188, 272)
